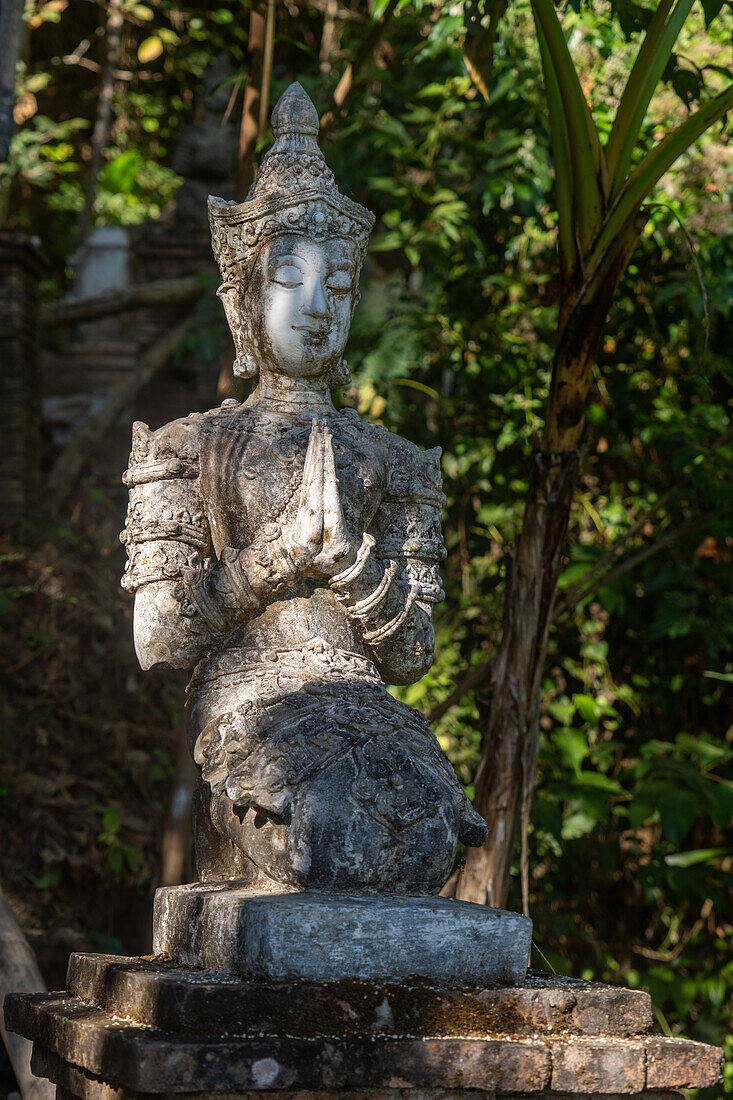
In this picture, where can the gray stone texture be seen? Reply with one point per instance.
(128, 1028)
(184, 1000)
(289, 552)
(328, 937)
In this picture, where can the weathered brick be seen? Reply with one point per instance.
(598, 1065)
(680, 1063)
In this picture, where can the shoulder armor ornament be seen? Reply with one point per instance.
(170, 452)
(415, 475)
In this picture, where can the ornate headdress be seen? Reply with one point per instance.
(295, 192)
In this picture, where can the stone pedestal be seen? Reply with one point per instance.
(331, 937)
(132, 1028)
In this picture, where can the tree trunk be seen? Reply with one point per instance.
(11, 24)
(250, 127)
(509, 709)
(115, 23)
(19, 973)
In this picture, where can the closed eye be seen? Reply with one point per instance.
(339, 282)
(288, 276)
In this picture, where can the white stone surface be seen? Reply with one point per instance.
(330, 937)
(288, 553)
(103, 262)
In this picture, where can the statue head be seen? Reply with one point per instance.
(290, 255)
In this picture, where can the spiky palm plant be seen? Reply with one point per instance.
(600, 206)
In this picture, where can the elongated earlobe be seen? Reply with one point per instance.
(340, 375)
(244, 366)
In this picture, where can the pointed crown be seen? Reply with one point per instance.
(295, 192)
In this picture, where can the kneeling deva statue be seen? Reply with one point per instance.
(288, 552)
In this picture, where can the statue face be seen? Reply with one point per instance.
(307, 296)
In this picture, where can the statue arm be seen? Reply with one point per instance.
(181, 614)
(185, 600)
(394, 614)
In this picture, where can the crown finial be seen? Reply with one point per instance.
(294, 113)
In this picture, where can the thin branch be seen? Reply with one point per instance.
(352, 70)
(232, 100)
(95, 67)
(647, 552)
(471, 680)
(159, 292)
(481, 673)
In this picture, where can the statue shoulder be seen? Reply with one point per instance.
(169, 453)
(414, 474)
(409, 516)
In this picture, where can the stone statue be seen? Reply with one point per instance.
(288, 552)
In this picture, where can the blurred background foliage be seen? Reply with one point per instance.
(631, 848)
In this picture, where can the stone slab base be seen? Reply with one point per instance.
(330, 937)
(126, 1029)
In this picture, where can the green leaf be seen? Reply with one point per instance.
(149, 49)
(588, 708)
(577, 825)
(640, 87)
(111, 821)
(647, 174)
(601, 782)
(49, 880)
(586, 156)
(573, 746)
(120, 174)
(678, 811)
(695, 856)
(567, 249)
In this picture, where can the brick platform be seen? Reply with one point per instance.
(132, 1028)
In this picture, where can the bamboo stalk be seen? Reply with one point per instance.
(268, 55)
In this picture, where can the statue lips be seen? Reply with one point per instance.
(315, 335)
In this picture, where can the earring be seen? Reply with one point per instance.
(340, 375)
(244, 366)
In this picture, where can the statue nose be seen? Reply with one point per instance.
(316, 306)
